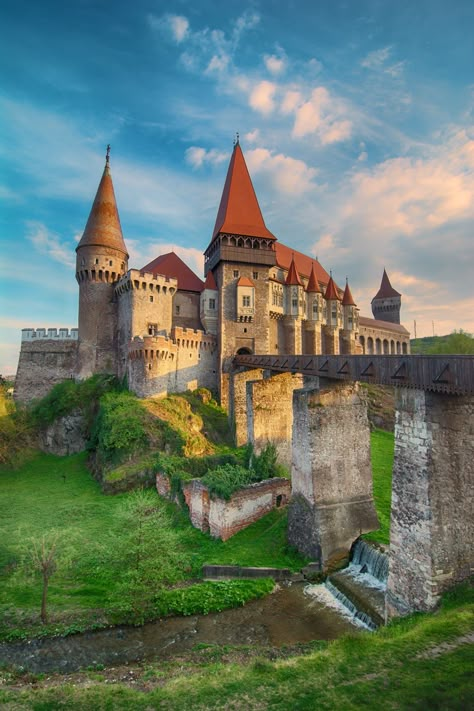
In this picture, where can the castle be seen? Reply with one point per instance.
(166, 330)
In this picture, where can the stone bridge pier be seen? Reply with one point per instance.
(332, 502)
(432, 519)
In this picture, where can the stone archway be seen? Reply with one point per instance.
(244, 351)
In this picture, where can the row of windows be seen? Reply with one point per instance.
(237, 274)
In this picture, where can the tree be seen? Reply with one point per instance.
(457, 343)
(149, 555)
(43, 558)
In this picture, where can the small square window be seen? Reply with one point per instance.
(151, 299)
(236, 273)
(110, 262)
(255, 275)
(96, 261)
(245, 300)
(212, 304)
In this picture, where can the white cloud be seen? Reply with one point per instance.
(176, 25)
(197, 156)
(143, 251)
(289, 175)
(377, 58)
(252, 136)
(49, 243)
(218, 63)
(262, 97)
(322, 115)
(274, 64)
(362, 157)
(291, 100)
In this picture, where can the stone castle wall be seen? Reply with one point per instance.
(432, 520)
(159, 365)
(46, 358)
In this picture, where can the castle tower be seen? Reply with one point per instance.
(101, 260)
(387, 302)
(295, 310)
(333, 318)
(241, 247)
(350, 328)
(314, 315)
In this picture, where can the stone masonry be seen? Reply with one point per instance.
(332, 503)
(432, 523)
(270, 413)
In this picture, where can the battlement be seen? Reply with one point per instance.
(136, 280)
(49, 334)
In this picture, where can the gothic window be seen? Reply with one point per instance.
(245, 300)
(315, 308)
(294, 303)
(212, 304)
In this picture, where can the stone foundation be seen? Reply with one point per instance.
(432, 522)
(332, 503)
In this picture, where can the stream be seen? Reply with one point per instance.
(286, 617)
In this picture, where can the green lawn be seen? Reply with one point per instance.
(382, 462)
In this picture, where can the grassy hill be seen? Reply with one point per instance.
(457, 342)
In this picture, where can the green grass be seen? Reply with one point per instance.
(59, 493)
(382, 443)
(421, 662)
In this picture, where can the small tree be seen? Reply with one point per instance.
(42, 558)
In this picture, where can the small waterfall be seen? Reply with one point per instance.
(370, 561)
(329, 595)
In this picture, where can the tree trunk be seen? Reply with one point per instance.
(44, 613)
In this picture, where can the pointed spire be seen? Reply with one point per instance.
(347, 299)
(313, 284)
(331, 291)
(103, 226)
(239, 212)
(293, 278)
(210, 282)
(386, 289)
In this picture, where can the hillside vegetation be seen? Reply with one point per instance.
(458, 342)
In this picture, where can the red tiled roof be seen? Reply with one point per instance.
(239, 212)
(386, 289)
(331, 291)
(171, 265)
(210, 282)
(304, 264)
(245, 281)
(313, 284)
(293, 278)
(347, 299)
(386, 325)
(103, 226)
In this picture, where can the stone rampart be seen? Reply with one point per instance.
(44, 362)
(432, 521)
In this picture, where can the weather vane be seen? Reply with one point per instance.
(107, 155)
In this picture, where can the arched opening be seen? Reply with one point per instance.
(385, 347)
(378, 346)
(244, 351)
(404, 348)
(370, 345)
(392, 347)
(398, 347)
(362, 343)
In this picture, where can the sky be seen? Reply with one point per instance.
(356, 119)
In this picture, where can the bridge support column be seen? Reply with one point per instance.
(332, 503)
(270, 413)
(238, 402)
(432, 524)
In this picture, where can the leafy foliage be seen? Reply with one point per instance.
(456, 343)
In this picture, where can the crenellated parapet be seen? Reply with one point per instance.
(150, 348)
(191, 338)
(146, 282)
(49, 334)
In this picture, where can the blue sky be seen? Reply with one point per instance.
(356, 120)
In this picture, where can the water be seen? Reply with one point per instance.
(333, 598)
(367, 560)
(286, 617)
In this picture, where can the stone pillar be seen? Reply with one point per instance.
(330, 340)
(432, 524)
(270, 413)
(293, 331)
(332, 503)
(238, 402)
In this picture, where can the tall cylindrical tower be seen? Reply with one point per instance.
(101, 260)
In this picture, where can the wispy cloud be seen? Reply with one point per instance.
(197, 156)
(176, 26)
(49, 243)
(289, 175)
(275, 64)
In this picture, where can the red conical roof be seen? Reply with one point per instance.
(293, 278)
(331, 291)
(239, 212)
(347, 299)
(210, 282)
(313, 284)
(386, 289)
(103, 227)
